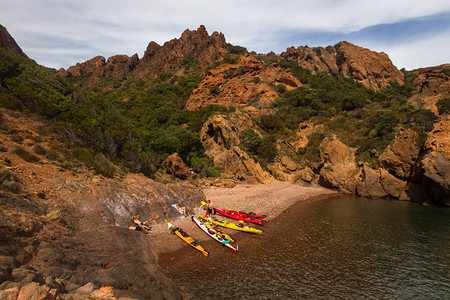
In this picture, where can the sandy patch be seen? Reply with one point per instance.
(269, 199)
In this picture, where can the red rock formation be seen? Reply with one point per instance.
(339, 168)
(435, 165)
(8, 42)
(374, 70)
(99, 68)
(193, 44)
(247, 83)
(220, 138)
(400, 157)
(176, 167)
(432, 84)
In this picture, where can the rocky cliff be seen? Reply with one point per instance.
(195, 46)
(249, 83)
(62, 229)
(8, 42)
(374, 70)
(431, 85)
(98, 68)
(220, 137)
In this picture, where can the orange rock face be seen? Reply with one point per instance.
(193, 44)
(249, 82)
(98, 68)
(432, 84)
(373, 69)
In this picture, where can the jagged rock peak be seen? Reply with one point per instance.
(198, 44)
(8, 42)
(373, 69)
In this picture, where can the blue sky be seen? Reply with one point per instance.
(60, 33)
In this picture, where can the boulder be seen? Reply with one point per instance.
(379, 183)
(339, 168)
(401, 155)
(10, 294)
(175, 166)
(35, 291)
(369, 184)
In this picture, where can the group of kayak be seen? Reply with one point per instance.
(210, 226)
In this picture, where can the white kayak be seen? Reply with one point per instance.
(213, 234)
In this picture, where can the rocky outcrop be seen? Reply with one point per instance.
(431, 85)
(305, 129)
(400, 157)
(339, 168)
(285, 169)
(192, 45)
(249, 83)
(176, 167)
(378, 183)
(374, 70)
(433, 171)
(63, 234)
(98, 68)
(220, 137)
(8, 42)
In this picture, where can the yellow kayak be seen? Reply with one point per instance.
(185, 237)
(239, 226)
(219, 231)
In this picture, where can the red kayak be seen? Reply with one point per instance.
(246, 215)
(235, 215)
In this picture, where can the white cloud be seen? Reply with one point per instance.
(429, 52)
(106, 28)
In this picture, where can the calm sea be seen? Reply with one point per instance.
(341, 248)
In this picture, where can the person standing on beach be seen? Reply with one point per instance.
(209, 208)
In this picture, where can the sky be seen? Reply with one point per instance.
(60, 33)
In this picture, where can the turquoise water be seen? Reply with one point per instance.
(344, 247)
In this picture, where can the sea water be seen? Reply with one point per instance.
(343, 247)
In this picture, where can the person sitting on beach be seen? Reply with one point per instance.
(139, 225)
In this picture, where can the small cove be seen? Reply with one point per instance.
(339, 247)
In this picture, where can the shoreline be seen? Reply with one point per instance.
(269, 199)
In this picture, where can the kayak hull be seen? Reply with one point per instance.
(239, 227)
(213, 234)
(188, 239)
(236, 216)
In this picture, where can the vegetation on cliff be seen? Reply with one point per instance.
(137, 123)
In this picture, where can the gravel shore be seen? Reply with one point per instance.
(268, 199)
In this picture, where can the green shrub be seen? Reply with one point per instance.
(86, 156)
(214, 90)
(104, 166)
(211, 172)
(5, 175)
(251, 141)
(25, 155)
(38, 149)
(443, 106)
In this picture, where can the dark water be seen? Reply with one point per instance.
(343, 247)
